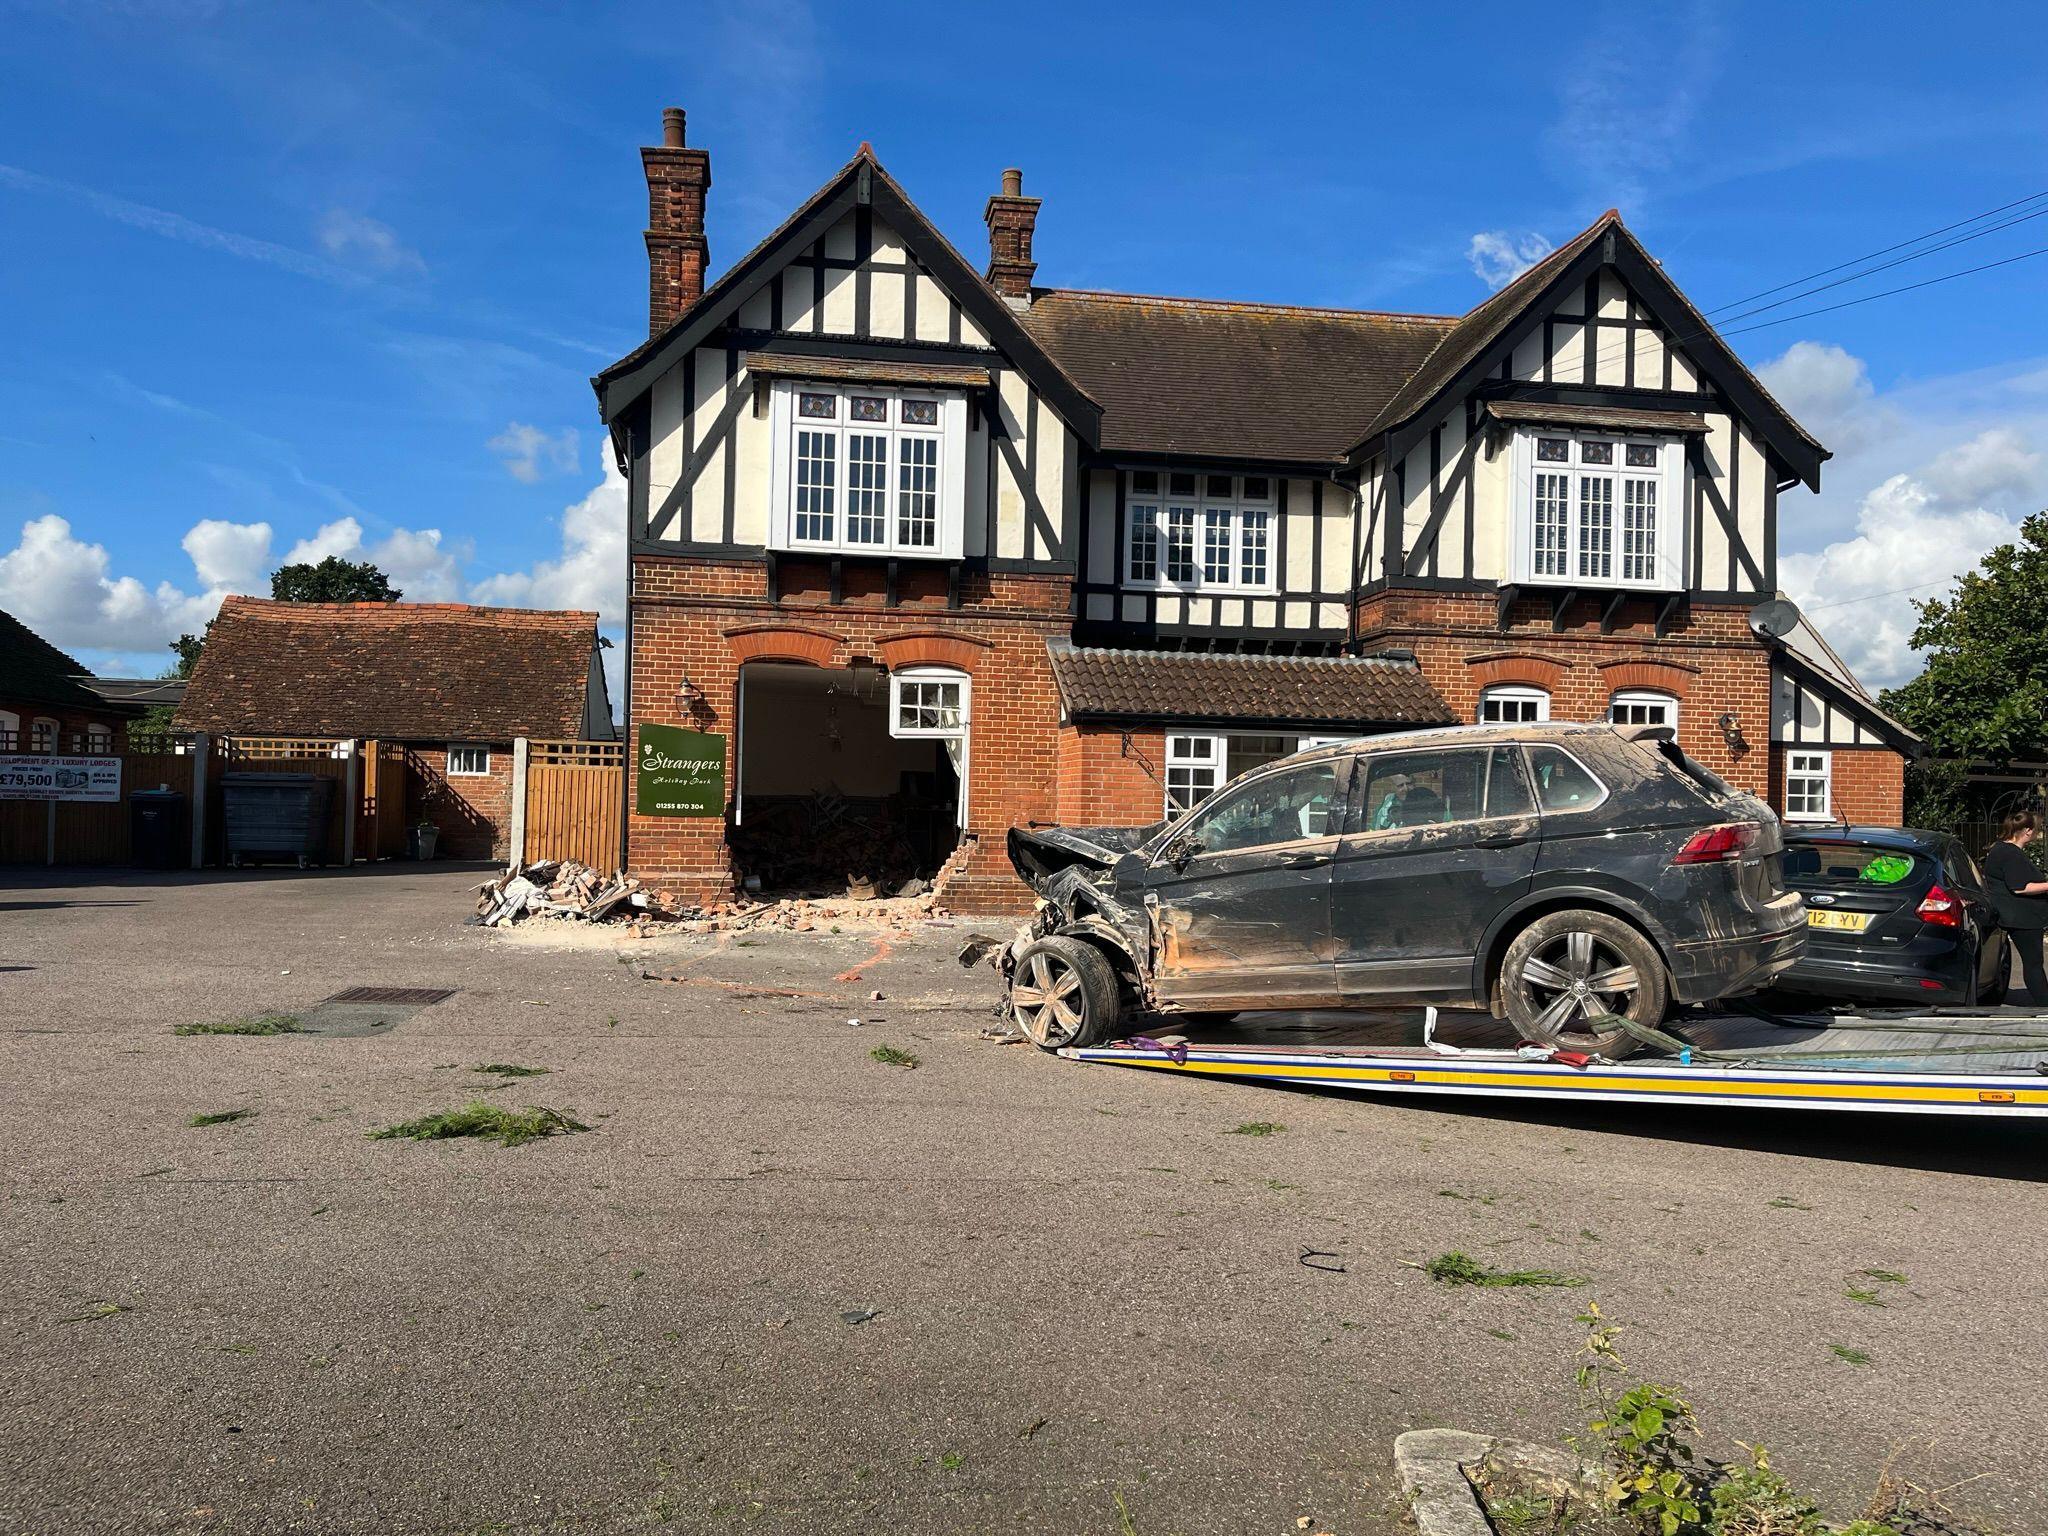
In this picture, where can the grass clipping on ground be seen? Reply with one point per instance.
(507, 1127)
(255, 1024)
(1456, 1268)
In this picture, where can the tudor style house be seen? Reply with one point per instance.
(941, 551)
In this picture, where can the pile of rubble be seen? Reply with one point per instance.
(559, 888)
(826, 844)
(563, 890)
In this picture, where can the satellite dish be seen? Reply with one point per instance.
(1774, 620)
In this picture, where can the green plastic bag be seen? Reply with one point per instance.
(1888, 868)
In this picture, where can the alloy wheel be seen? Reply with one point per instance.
(1048, 1000)
(1575, 978)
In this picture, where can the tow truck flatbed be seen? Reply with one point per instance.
(1979, 1061)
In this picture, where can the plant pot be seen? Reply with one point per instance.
(420, 841)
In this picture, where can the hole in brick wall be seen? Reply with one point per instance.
(830, 803)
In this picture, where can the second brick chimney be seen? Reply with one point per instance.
(677, 254)
(1011, 217)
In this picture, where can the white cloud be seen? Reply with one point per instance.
(231, 556)
(1995, 463)
(419, 564)
(1500, 257)
(1860, 591)
(591, 572)
(60, 587)
(340, 537)
(1828, 391)
(356, 237)
(529, 452)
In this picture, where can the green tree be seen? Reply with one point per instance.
(1983, 694)
(333, 580)
(156, 720)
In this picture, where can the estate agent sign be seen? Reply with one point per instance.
(682, 773)
(41, 776)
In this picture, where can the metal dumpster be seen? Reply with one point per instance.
(276, 816)
(157, 829)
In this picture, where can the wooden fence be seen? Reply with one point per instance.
(88, 833)
(572, 805)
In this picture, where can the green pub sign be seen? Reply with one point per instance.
(682, 773)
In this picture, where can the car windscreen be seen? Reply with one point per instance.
(1855, 864)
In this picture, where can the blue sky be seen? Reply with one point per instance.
(286, 279)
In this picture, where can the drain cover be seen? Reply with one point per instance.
(397, 997)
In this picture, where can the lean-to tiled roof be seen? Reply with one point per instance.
(33, 671)
(1104, 683)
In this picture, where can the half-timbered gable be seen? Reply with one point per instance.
(1584, 430)
(851, 389)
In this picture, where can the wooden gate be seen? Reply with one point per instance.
(385, 814)
(573, 803)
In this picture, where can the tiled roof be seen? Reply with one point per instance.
(397, 671)
(33, 671)
(1200, 685)
(1204, 378)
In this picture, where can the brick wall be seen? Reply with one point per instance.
(473, 811)
(1710, 662)
(1112, 778)
(696, 621)
(1867, 785)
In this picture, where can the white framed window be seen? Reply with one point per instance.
(10, 731)
(1198, 763)
(863, 469)
(99, 739)
(1190, 531)
(934, 704)
(467, 761)
(1597, 509)
(1513, 704)
(1642, 706)
(1809, 786)
(42, 734)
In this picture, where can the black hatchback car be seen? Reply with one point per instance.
(1557, 873)
(1894, 914)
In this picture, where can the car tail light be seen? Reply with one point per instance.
(1940, 909)
(1724, 844)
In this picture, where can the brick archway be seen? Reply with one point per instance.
(932, 648)
(784, 642)
(1673, 677)
(1525, 667)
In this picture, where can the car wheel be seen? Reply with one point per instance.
(1568, 971)
(1063, 992)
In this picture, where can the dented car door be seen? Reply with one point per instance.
(1438, 843)
(1238, 898)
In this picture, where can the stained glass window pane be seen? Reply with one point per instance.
(920, 413)
(821, 407)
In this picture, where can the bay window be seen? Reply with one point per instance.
(1188, 531)
(867, 469)
(1597, 509)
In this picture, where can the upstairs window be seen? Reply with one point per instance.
(1597, 509)
(868, 470)
(1191, 531)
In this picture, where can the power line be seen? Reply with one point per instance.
(1869, 597)
(1885, 251)
(1885, 293)
(1857, 277)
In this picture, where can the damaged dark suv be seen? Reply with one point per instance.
(1559, 874)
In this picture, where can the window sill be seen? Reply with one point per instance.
(861, 552)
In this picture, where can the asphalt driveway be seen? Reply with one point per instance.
(783, 1286)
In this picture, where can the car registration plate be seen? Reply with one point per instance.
(1845, 922)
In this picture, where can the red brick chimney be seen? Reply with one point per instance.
(677, 179)
(1010, 217)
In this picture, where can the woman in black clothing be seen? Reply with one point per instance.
(2020, 896)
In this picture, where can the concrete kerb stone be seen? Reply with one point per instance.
(1431, 1464)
